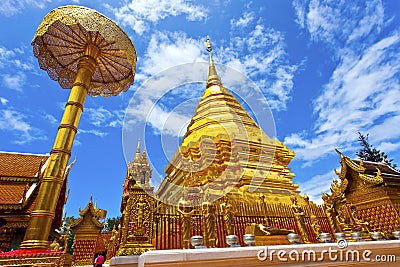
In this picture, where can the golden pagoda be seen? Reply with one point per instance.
(87, 230)
(225, 151)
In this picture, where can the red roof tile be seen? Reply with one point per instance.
(15, 164)
(11, 193)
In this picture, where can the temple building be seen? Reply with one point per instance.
(20, 176)
(372, 190)
(224, 151)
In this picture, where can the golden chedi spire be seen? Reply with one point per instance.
(224, 146)
(213, 78)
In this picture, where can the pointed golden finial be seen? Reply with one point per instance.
(208, 44)
(213, 78)
(137, 155)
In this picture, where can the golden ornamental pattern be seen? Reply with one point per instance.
(62, 38)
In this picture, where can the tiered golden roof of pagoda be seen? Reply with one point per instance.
(91, 213)
(223, 143)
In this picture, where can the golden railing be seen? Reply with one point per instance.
(168, 225)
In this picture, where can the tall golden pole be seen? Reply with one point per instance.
(94, 59)
(42, 216)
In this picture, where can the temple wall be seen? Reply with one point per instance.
(248, 256)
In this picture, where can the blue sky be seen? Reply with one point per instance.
(327, 68)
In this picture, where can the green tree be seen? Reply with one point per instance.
(70, 241)
(110, 222)
(369, 153)
(67, 221)
(66, 230)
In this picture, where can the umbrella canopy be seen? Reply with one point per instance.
(61, 40)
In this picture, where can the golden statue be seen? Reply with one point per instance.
(208, 211)
(299, 216)
(270, 230)
(140, 211)
(55, 246)
(185, 212)
(316, 227)
(112, 244)
(229, 217)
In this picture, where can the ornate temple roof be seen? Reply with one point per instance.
(92, 215)
(20, 164)
(386, 171)
(19, 174)
(369, 172)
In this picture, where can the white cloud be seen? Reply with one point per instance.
(94, 132)
(15, 82)
(337, 22)
(140, 14)
(12, 7)
(388, 147)
(15, 122)
(168, 49)
(163, 60)
(363, 93)
(318, 184)
(5, 56)
(243, 21)
(261, 55)
(101, 117)
(3, 101)
(13, 60)
(50, 118)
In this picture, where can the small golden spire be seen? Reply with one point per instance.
(137, 155)
(213, 78)
(208, 44)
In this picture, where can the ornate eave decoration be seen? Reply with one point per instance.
(18, 179)
(93, 211)
(346, 163)
(10, 206)
(12, 225)
(79, 26)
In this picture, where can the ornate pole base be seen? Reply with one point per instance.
(36, 257)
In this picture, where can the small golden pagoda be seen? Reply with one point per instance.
(137, 205)
(225, 151)
(87, 230)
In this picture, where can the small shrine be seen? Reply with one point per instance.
(137, 205)
(87, 231)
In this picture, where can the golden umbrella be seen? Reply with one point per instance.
(87, 52)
